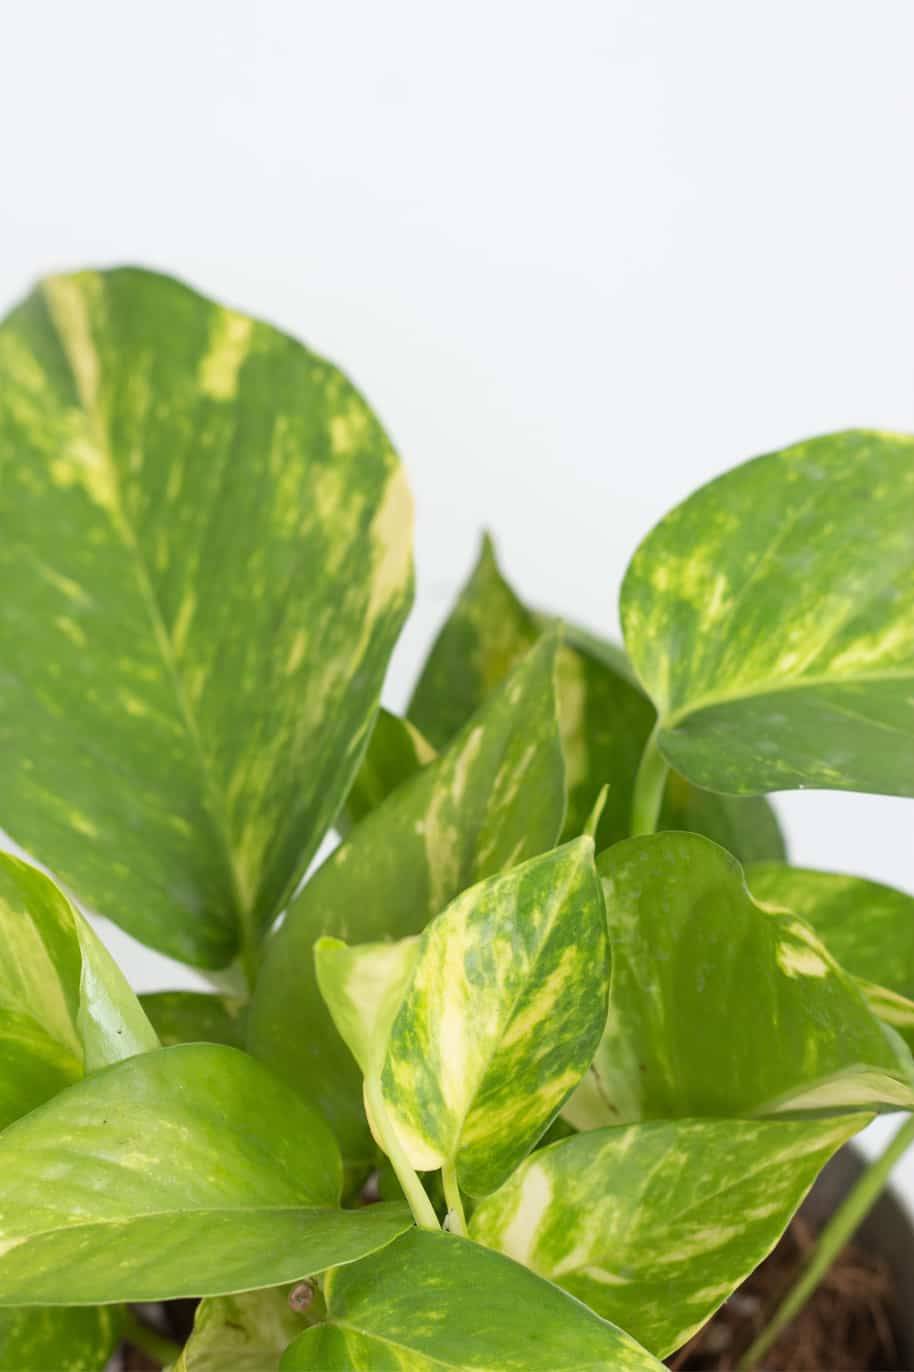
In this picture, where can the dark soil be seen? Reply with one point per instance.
(846, 1327)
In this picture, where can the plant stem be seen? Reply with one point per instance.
(414, 1191)
(150, 1340)
(649, 784)
(456, 1219)
(850, 1214)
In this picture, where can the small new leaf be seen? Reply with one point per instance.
(500, 1018)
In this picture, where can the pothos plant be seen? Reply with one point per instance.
(541, 1060)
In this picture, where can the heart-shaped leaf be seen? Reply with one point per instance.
(771, 619)
(654, 1225)
(196, 1017)
(205, 552)
(189, 1171)
(604, 717)
(722, 1008)
(65, 1009)
(502, 1013)
(438, 1301)
(244, 1333)
(81, 1338)
(494, 798)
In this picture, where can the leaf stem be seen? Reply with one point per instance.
(649, 783)
(850, 1214)
(413, 1190)
(456, 1219)
(150, 1341)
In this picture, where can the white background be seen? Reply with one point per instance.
(580, 256)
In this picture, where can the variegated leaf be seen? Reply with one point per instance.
(196, 1017)
(500, 1018)
(244, 1333)
(771, 619)
(396, 751)
(363, 988)
(435, 1301)
(654, 1225)
(605, 718)
(205, 552)
(59, 1339)
(722, 1008)
(493, 799)
(65, 1009)
(189, 1171)
(868, 927)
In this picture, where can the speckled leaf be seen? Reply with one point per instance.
(771, 619)
(654, 1225)
(189, 1171)
(196, 1017)
(59, 1339)
(605, 718)
(501, 1017)
(205, 553)
(435, 1301)
(395, 752)
(363, 989)
(244, 1333)
(721, 1008)
(867, 927)
(494, 798)
(65, 1009)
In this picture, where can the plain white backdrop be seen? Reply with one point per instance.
(581, 257)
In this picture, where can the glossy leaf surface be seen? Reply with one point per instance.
(655, 1225)
(720, 1008)
(65, 1009)
(501, 1016)
(604, 716)
(189, 1171)
(196, 1017)
(409, 1311)
(205, 548)
(494, 798)
(771, 619)
(244, 1333)
(59, 1339)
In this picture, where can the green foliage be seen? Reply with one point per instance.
(205, 553)
(771, 619)
(207, 545)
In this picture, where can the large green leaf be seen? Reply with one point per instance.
(494, 798)
(189, 1171)
(501, 1017)
(435, 1301)
(65, 1009)
(720, 1007)
(196, 1017)
(771, 619)
(59, 1339)
(205, 554)
(244, 1333)
(604, 716)
(654, 1225)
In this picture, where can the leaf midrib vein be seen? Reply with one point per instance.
(773, 688)
(213, 799)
